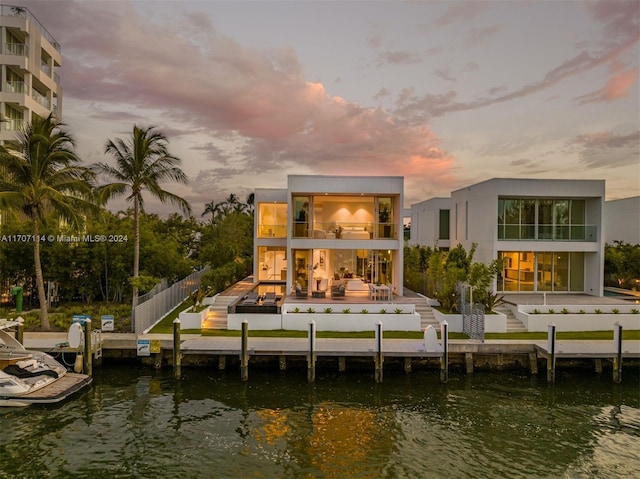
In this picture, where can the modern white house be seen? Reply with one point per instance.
(325, 235)
(622, 220)
(430, 223)
(548, 232)
(29, 59)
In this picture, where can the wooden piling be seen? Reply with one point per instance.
(342, 364)
(311, 358)
(222, 362)
(444, 359)
(282, 360)
(177, 354)
(468, 360)
(379, 358)
(244, 354)
(551, 357)
(407, 365)
(87, 366)
(20, 333)
(617, 359)
(533, 363)
(598, 365)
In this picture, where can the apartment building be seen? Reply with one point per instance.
(325, 229)
(29, 59)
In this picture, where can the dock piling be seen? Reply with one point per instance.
(379, 359)
(87, 357)
(20, 332)
(551, 358)
(244, 353)
(311, 359)
(617, 360)
(444, 359)
(177, 354)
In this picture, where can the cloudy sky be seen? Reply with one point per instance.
(445, 94)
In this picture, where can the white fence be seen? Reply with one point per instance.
(161, 303)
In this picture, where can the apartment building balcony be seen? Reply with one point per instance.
(41, 99)
(16, 49)
(272, 231)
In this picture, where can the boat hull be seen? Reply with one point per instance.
(55, 392)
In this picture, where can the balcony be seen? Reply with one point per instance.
(41, 99)
(17, 49)
(532, 232)
(272, 231)
(345, 230)
(13, 87)
(13, 124)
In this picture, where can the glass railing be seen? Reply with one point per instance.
(9, 10)
(520, 232)
(11, 124)
(272, 231)
(17, 49)
(344, 230)
(45, 68)
(14, 87)
(43, 100)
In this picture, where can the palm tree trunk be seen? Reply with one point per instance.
(44, 315)
(136, 260)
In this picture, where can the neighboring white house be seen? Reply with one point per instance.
(622, 220)
(430, 223)
(549, 232)
(325, 229)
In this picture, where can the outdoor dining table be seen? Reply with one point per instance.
(381, 288)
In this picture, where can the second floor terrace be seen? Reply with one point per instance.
(344, 217)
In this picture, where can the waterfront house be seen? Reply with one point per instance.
(548, 232)
(329, 235)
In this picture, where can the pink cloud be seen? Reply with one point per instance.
(618, 86)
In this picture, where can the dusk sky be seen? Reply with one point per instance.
(446, 94)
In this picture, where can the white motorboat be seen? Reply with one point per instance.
(32, 377)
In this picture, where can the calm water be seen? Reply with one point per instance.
(137, 423)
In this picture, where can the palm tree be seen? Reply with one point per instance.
(143, 162)
(43, 175)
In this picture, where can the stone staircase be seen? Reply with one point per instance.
(426, 314)
(216, 317)
(514, 325)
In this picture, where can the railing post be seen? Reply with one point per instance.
(20, 331)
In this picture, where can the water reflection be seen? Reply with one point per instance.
(135, 424)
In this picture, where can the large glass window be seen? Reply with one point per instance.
(541, 271)
(301, 211)
(272, 263)
(385, 217)
(272, 220)
(542, 219)
(443, 232)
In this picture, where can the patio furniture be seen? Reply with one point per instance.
(269, 298)
(338, 290)
(301, 292)
(251, 298)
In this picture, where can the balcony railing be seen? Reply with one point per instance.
(272, 231)
(43, 100)
(17, 49)
(45, 68)
(9, 10)
(12, 124)
(13, 87)
(344, 230)
(531, 232)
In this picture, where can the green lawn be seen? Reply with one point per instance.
(166, 327)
